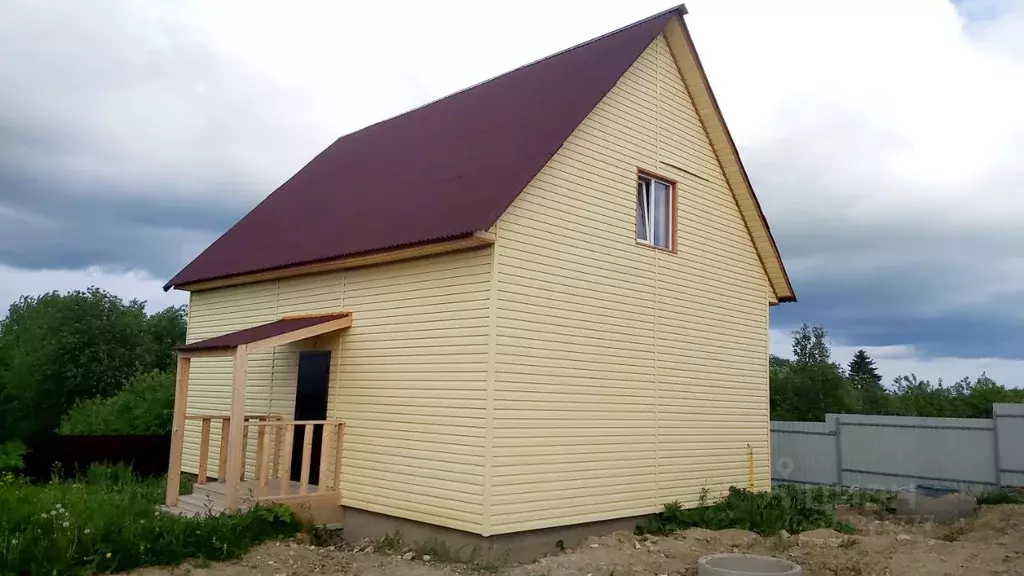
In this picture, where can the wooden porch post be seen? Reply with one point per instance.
(236, 426)
(178, 429)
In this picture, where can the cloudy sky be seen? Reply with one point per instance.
(885, 140)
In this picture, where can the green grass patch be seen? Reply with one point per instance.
(107, 521)
(790, 508)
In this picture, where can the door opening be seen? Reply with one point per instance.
(310, 404)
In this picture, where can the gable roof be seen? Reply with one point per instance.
(445, 170)
(449, 169)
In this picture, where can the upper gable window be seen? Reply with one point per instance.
(654, 219)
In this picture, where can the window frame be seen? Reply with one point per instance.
(673, 208)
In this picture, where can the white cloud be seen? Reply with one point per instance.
(882, 136)
(16, 282)
(876, 113)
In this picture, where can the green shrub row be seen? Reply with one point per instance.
(108, 521)
(786, 507)
(144, 406)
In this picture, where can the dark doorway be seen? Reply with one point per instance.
(310, 404)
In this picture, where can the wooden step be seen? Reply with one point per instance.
(199, 505)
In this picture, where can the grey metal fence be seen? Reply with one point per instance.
(891, 452)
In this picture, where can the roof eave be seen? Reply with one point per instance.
(466, 241)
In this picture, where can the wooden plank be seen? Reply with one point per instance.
(236, 447)
(475, 240)
(337, 460)
(289, 444)
(178, 430)
(260, 447)
(276, 458)
(245, 451)
(301, 334)
(213, 353)
(293, 422)
(222, 448)
(273, 417)
(204, 450)
(311, 500)
(307, 449)
(268, 442)
(327, 437)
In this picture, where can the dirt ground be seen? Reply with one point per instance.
(990, 543)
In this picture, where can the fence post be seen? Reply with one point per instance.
(995, 445)
(839, 451)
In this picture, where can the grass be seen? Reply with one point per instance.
(389, 543)
(107, 521)
(1003, 496)
(790, 508)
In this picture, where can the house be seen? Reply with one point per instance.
(538, 303)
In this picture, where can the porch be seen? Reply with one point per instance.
(262, 457)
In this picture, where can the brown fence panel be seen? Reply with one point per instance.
(70, 455)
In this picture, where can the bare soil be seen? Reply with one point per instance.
(992, 542)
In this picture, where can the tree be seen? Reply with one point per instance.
(810, 346)
(164, 330)
(57, 349)
(811, 385)
(871, 396)
(862, 368)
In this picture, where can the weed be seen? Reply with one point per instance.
(848, 542)
(787, 508)
(704, 497)
(389, 542)
(322, 536)
(1003, 496)
(954, 533)
(780, 545)
(845, 527)
(107, 521)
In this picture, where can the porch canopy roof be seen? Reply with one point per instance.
(283, 331)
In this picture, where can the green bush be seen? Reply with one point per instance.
(789, 508)
(107, 521)
(144, 406)
(10, 456)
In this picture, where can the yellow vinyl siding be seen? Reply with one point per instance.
(625, 377)
(409, 377)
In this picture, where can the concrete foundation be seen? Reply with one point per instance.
(469, 547)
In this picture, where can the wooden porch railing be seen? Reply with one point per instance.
(225, 425)
(275, 437)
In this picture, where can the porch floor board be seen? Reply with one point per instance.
(250, 490)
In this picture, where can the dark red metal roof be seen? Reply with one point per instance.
(260, 332)
(441, 171)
